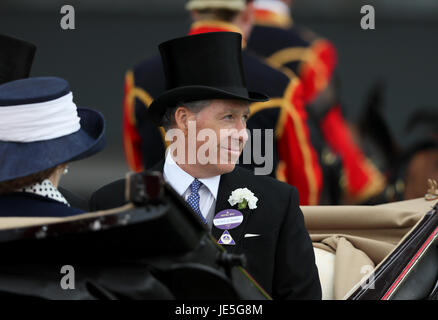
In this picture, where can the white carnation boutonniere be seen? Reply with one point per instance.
(243, 197)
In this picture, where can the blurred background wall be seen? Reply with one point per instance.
(112, 36)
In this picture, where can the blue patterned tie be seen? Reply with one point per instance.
(193, 199)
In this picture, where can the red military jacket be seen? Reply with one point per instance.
(314, 60)
(295, 160)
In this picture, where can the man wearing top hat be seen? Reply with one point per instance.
(295, 160)
(206, 88)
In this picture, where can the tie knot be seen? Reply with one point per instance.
(196, 184)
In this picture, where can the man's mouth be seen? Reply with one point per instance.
(235, 152)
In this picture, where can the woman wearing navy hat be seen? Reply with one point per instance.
(41, 130)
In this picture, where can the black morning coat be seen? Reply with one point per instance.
(281, 259)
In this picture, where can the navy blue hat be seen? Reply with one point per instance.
(40, 127)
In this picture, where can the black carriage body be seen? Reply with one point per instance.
(410, 272)
(154, 250)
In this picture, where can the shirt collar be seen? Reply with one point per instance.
(46, 189)
(181, 180)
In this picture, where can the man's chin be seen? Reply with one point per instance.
(225, 168)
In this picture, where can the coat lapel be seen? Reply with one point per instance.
(221, 203)
(229, 182)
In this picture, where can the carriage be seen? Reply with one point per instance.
(154, 246)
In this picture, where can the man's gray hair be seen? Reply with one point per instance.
(194, 106)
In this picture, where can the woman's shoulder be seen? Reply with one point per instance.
(21, 204)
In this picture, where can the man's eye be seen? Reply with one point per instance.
(228, 116)
(245, 117)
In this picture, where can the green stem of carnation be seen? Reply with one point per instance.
(243, 204)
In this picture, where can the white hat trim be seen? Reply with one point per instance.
(39, 121)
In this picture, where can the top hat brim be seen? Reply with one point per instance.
(170, 98)
(19, 160)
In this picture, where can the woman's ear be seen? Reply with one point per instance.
(57, 174)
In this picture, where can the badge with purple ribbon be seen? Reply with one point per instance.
(226, 220)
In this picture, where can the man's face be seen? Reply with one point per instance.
(221, 135)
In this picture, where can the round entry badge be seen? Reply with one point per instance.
(228, 219)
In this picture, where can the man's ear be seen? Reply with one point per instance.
(181, 118)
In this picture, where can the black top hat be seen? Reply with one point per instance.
(16, 58)
(203, 66)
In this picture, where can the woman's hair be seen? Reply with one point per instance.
(20, 183)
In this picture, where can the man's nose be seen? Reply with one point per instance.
(241, 130)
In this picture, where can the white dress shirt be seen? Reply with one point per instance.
(181, 181)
